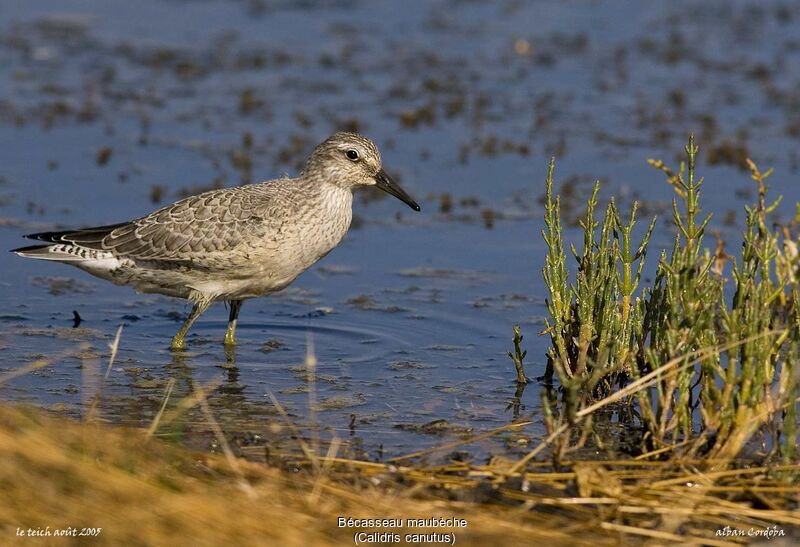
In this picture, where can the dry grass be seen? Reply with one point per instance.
(60, 473)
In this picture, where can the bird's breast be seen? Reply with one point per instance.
(324, 228)
(313, 229)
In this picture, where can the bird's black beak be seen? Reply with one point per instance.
(385, 183)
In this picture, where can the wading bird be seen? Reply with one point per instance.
(233, 243)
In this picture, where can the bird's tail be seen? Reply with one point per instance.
(70, 245)
(60, 252)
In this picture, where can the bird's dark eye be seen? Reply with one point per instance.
(352, 155)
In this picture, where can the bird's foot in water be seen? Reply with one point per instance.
(178, 343)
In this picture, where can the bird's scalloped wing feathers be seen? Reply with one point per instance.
(189, 229)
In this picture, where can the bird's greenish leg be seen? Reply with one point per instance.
(178, 341)
(230, 334)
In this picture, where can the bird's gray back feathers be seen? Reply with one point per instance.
(244, 241)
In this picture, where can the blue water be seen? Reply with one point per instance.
(468, 99)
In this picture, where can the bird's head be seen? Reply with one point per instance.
(352, 160)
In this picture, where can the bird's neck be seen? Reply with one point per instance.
(336, 200)
(324, 221)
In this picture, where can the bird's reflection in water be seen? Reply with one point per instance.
(230, 356)
(224, 393)
(179, 381)
(231, 384)
(179, 369)
(182, 369)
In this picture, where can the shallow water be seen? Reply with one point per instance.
(110, 109)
